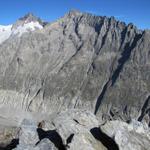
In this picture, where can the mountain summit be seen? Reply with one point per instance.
(28, 21)
(29, 18)
(23, 25)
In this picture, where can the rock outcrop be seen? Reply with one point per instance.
(133, 136)
(69, 130)
(79, 129)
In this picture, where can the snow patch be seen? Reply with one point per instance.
(7, 31)
(27, 28)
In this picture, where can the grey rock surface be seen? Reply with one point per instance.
(74, 128)
(85, 141)
(70, 131)
(133, 136)
(7, 134)
(77, 129)
(45, 144)
(29, 138)
(73, 122)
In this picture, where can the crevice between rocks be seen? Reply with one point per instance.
(53, 136)
(144, 109)
(100, 97)
(104, 37)
(13, 144)
(107, 141)
(125, 55)
(69, 140)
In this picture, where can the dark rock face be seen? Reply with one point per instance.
(79, 61)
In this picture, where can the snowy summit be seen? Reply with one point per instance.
(26, 24)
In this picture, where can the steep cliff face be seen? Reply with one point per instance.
(79, 61)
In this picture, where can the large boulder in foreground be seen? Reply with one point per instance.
(132, 136)
(67, 130)
(8, 135)
(78, 129)
(74, 127)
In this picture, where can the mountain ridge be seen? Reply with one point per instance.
(77, 12)
(30, 17)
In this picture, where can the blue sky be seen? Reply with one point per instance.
(136, 11)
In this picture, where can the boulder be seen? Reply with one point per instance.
(132, 136)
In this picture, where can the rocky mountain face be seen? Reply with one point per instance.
(79, 62)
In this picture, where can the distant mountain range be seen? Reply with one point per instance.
(80, 61)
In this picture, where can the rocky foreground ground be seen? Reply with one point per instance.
(75, 130)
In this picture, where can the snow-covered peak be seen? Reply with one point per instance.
(28, 23)
(7, 31)
(30, 18)
(26, 27)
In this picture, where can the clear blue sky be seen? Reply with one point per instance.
(136, 11)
